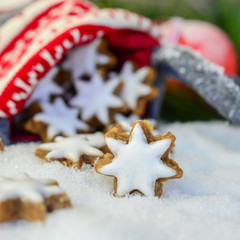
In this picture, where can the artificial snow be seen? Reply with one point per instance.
(203, 204)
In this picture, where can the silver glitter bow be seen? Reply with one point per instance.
(208, 80)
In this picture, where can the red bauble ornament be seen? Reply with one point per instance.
(206, 38)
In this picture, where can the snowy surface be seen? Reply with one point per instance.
(204, 204)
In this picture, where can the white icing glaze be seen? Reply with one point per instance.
(96, 97)
(127, 121)
(134, 86)
(73, 148)
(84, 60)
(45, 88)
(60, 119)
(137, 165)
(26, 188)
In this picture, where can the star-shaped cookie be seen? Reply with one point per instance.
(124, 123)
(86, 59)
(73, 151)
(138, 87)
(45, 88)
(56, 119)
(139, 161)
(23, 197)
(98, 99)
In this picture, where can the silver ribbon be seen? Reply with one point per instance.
(208, 80)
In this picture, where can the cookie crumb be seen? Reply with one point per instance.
(1, 145)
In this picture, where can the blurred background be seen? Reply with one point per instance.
(180, 102)
(223, 13)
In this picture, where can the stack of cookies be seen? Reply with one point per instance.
(135, 158)
(86, 110)
(86, 92)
